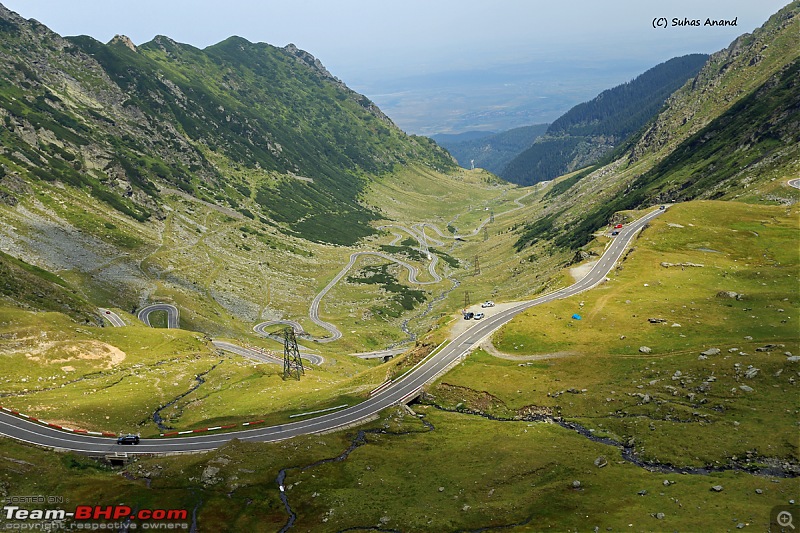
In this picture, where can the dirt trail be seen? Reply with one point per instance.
(491, 350)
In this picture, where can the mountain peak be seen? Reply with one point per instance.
(9, 15)
(309, 60)
(123, 40)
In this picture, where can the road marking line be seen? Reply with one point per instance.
(320, 411)
(380, 387)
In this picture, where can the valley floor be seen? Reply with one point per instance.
(699, 432)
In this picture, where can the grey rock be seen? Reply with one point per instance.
(746, 388)
(209, 475)
(576, 484)
(717, 488)
(645, 349)
(642, 493)
(759, 491)
(729, 294)
(711, 351)
(660, 516)
(600, 462)
(682, 265)
(751, 372)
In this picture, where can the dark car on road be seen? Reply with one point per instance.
(128, 439)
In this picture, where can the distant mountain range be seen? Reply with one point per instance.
(589, 130)
(489, 150)
(579, 137)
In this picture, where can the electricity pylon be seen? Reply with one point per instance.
(292, 363)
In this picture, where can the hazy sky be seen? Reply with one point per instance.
(359, 38)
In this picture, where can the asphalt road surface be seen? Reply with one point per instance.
(248, 352)
(257, 355)
(400, 391)
(112, 317)
(172, 314)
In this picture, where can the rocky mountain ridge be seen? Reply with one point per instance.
(235, 124)
(728, 133)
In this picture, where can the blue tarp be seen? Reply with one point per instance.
(576, 316)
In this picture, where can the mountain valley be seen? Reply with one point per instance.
(252, 190)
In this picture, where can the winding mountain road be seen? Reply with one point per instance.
(413, 272)
(173, 322)
(397, 392)
(173, 315)
(417, 231)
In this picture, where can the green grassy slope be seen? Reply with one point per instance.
(671, 404)
(464, 473)
(28, 286)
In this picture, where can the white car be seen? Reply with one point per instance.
(487, 303)
(478, 316)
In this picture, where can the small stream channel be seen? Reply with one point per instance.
(199, 379)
